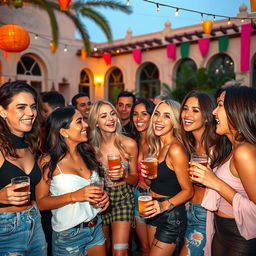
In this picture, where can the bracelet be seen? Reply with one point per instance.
(71, 199)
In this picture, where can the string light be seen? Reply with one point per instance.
(229, 22)
(127, 2)
(194, 11)
(95, 48)
(157, 7)
(177, 12)
(65, 48)
(36, 36)
(202, 17)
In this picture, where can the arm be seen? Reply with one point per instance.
(132, 149)
(47, 202)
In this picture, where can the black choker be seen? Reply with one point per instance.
(18, 141)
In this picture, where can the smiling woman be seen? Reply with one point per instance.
(21, 229)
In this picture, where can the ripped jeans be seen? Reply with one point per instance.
(21, 233)
(196, 229)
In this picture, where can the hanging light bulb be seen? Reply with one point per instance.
(229, 22)
(36, 36)
(176, 12)
(157, 8)
(202, 17)
(95, 49)
(214, 18)
(242, 20)
(127, 2)
(65, 48)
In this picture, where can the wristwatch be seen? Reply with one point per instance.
(170, 206)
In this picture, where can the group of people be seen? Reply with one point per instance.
(196, 209)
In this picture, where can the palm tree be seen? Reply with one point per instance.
(77, 10)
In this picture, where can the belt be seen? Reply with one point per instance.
(89, 224)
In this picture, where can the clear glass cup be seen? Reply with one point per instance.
(98, 183)
(113, 161)
(151, 162)
(143, 199)
(21, 180)
(201, 159)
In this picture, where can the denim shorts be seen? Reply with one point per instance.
(76, 240)
(196, 233)
(170, 225)
(136, 192)
(21, 233)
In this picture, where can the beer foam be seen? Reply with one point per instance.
(150, 159)
(145, 198)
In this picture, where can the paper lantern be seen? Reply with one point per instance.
(53, 47)
(207, 27)
(13, 38)
(64, 4)
(83, 54)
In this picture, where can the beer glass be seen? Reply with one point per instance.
(144, 197)
(21, 180)
(151, 162)
(98, 183)
(201, 159)
(114, 160)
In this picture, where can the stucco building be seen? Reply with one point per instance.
(66, 72)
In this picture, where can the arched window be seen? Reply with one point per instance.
(28, 70)
(149, 81)
(85, 83)
(254, 73)
(186, 65)
(115, 84)
(221, 64)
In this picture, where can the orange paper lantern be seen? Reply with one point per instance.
(83, 54)
(207, 27)
(64, 4)
(13, 38)
(53, 47)
(253, 5)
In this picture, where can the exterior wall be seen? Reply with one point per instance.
(61, 71)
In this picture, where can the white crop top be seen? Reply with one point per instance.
(71, 215)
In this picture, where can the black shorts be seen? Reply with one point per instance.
(170, 225)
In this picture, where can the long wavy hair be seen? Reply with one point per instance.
(149, 105)
(95, 135)
(215, 146)
(240, 107)
(56, 146)
(7, 92)
(152, 139)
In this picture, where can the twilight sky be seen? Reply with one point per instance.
(145, 19)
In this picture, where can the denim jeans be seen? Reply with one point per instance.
(21, 233)
(73, 241)
(196, 233)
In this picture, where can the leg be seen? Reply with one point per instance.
(184, 250)
(141, 230)
(151, 230)
(161, 249)
(97, 250)
(120, 237)
(106, 232)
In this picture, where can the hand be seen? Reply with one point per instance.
(116, 172)
(8, 195)
(91, 194)
(104, 203)
(202, 174)
(154, 208)
(144, 170)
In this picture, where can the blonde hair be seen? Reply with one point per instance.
(154, 140)
(95, 136)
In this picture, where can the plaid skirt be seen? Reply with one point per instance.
(121, 205)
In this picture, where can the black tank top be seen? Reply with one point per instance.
(9, 170)
(166, 183)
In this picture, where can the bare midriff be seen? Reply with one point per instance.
(198, 195)
(17, 208)
(222, 214)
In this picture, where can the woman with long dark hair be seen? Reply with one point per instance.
(141, 112)
(172, 187)
(198, 134)
(69, 168)
(231, 195)
(20, 229)
(106, 138)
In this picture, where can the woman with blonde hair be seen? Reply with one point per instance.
(172, 187)
(106, 138)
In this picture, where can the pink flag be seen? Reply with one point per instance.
(107, 58)
(137, 55)
(171, 51)
(204, 46)
(246, 32)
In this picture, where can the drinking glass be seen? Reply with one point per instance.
(21, 180)
(113, 161)
(151, 162)
(143, 199)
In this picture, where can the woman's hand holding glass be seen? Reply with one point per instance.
(10, 195)
(202, 174)
(116, 173)
(104, 202)
(153, 208)
(144, 170)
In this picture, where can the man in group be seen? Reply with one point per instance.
(124, 104)
(51, 101)
(82, 103)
